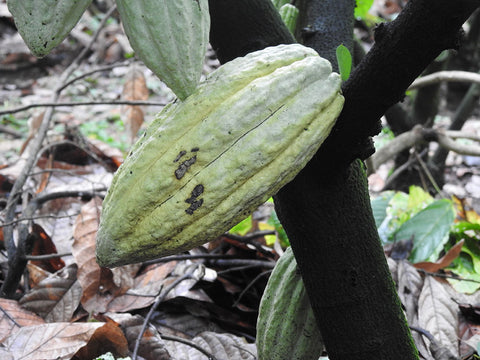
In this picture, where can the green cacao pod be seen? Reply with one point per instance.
(207, 162)
(170, 37)
(289, 14)
(43, 24)
(286, 326)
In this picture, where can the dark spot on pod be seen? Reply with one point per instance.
(194, 206)
(180, 154)
(193, 200)
(184, 166)
(195, 149)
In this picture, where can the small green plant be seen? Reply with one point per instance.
(107, 131)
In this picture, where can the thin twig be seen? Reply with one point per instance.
(46, 257)
(13, 222)
(80, 103)
(248, 239)
(187, 257)
(91, 72)
(429, 174)
(250, 285)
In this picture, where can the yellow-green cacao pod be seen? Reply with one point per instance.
(43, 24)
(286, 326)
(206, 163)
(170, 37)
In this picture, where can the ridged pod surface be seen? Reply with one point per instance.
(170, 37)
(206, 163)
(43, 24)
(286, 326)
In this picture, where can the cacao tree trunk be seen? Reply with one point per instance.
(326, 208)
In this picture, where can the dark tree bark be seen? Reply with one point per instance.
(325, 209)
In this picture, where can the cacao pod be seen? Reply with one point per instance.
(170, 37)
(286, 326)
(206, 163)
(43, 24)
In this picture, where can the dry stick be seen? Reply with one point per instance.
(461, 135)
(7, 289)
(429, 174)
(250, 285)
(154, 306)
(451, 76)
(99, 69)
(248, 239)
(401, 169)
(46, 257)
(416, 135)
(79, 103)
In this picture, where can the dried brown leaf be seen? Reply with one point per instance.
(36, 274)
(55, 298)
(42, 245)
(108, 338)
(99, 288)
(152, 347)
(13, 317)
(146, 287)
(438, 313)
(221, 346)
(444, 261)
(50, 341)
(135, 88)
(410, 284)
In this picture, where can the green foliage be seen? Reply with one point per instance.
(103, 130)
(429, 230)
(432, 227)
(243, 227)
(415, 216)
(344, 60)
(362, 7)
(282, 235)
(11, 121)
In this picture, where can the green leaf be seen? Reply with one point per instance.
(418, 198)
(344, 59)
(282, 235)
(429, 229)
(379, 207)
(466, 266)
(242, 227)
(362, 7)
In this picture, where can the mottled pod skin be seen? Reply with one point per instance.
(286, 325)
(43, 24)
(206, 163)
(170, 37)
